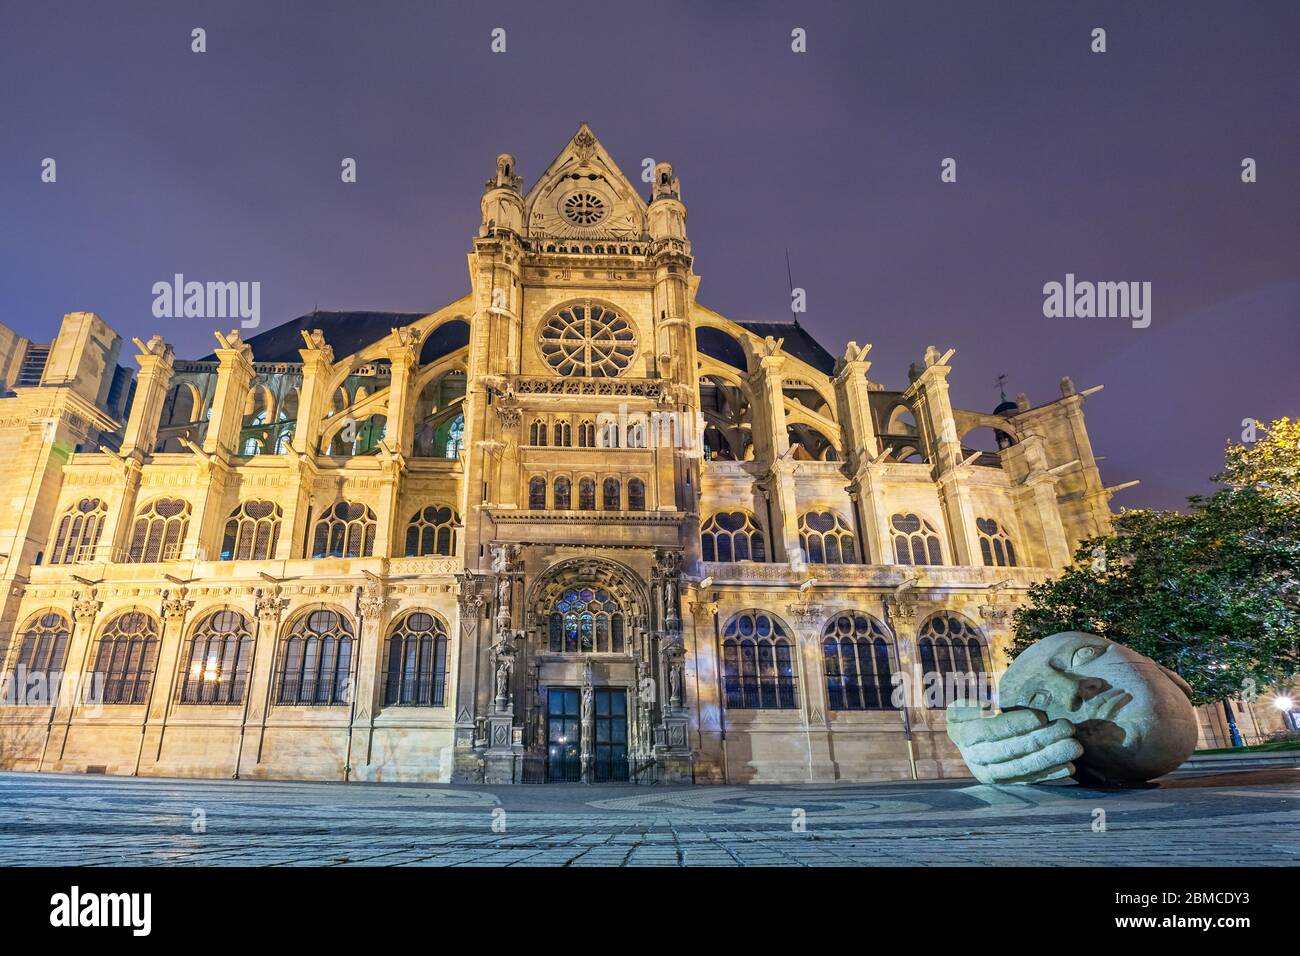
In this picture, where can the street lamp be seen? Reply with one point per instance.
(1284, 703)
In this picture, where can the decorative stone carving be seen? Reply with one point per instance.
(85, 607)
(1079, 705)
(175, 606)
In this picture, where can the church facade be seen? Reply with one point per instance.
(572, 526)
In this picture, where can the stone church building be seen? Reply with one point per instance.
(574, 525)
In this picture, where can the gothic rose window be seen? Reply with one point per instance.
(589, 340)
(584, 209)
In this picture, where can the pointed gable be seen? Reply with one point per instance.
(583, 194)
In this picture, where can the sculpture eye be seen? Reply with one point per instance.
(1084, 654)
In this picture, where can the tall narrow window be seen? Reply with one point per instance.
(826, 538)
(587, 494)
(587, 435)
(345, 530)
(128, 651)
(635, 494)
(417, 662)
(220, 654)
(954, 661)
(537, 493)
(758, 663)
(251, 532)
(78, 532)
(537, 433)
(43, 645)
(432, 530)
(159, 531)
(610, 494)
(315, 660)
(732, 536)
(858, 656)
(563, 434)
(915, 540)
(995, 544)
(563, 494)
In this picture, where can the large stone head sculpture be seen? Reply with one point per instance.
(1133, 717)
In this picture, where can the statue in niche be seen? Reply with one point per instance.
(1078, 705)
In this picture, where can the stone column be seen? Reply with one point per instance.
(234, 376)
(175, 608)
(471, 598)
(904, 617)
(934, 418)
(85, 607)
(373, 607)
(151, 385)
(703, 672)
(269, 606)
(852, 393)
(808, 620)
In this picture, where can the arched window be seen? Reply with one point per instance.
(587, 435)
(537, 493)
(636, 433)
(220, 654)
(128, 650)
(417, 662)
(159, 531)
(732, 536)
(758, 663)
(610, 494)
(585, 620)
(315, 659)
(42, 646)
(432, 530)
(609, 435)
(995, 544)
(954, 661)
(587, 494)
(251, 532)
(859, 656)
(826, 538)
(345, 530)
(635, 494)
(563, 494)
(537, 433)
(78, 532)
(915, 540)
(563, 434)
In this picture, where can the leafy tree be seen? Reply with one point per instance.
(1211, 593)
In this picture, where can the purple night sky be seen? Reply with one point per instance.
(1116, 166)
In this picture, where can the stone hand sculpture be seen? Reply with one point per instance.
(1076, 704)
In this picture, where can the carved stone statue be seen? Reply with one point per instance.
(1075, 704)
(503, 679)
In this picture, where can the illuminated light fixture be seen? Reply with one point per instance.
(1284, 703)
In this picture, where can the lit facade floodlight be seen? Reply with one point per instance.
(1285, 704)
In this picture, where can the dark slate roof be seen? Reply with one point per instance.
(346, 332)
(797, 342)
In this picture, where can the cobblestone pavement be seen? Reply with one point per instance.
(58, 820)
